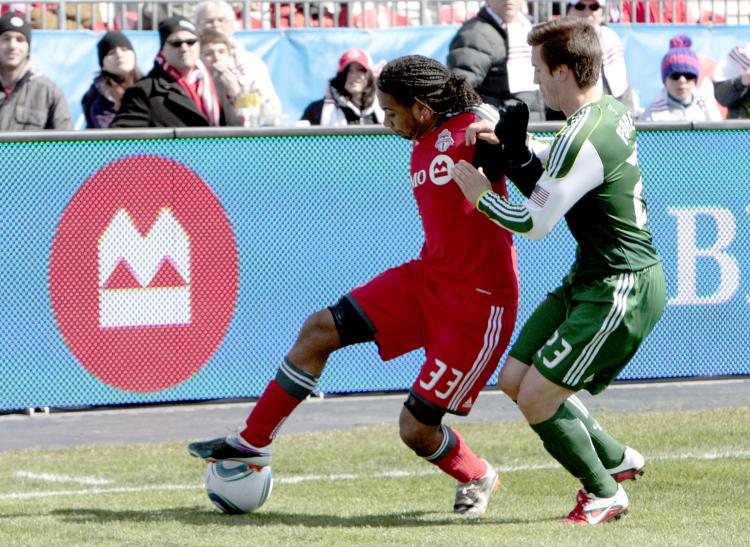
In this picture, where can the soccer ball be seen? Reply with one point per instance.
(235, 488)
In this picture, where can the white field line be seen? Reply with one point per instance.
(736, 454)
(48, 477)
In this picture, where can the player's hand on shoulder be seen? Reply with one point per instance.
(470, 180)
(482, 129)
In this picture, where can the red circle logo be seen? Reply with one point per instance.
(144, 274)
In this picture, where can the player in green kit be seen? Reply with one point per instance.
(588, 328)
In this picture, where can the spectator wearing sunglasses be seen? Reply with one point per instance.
(613, 78)
(179, 91)
(680, 98)
(732, 87)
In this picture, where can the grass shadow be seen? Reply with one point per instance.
(200, 516)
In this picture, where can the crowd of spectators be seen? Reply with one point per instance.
(203, 76)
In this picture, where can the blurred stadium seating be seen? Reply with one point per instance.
(129, 15)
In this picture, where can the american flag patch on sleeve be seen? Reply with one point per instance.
(539, 196)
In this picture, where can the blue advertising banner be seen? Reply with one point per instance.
(301, 61)
(181, 269)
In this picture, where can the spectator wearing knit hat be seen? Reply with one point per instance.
(350, 97)
(29, 101)
(179, 91)
(732, 82)
(680, 98)
(119, 70)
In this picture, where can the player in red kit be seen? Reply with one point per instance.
(458, 300)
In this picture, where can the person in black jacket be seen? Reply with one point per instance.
(179, 91)
(491, 52)
(351, 95)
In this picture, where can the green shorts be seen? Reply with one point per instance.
(582, 336)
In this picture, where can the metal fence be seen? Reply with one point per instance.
(129, 15)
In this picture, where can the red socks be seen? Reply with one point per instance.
(455, 458)
(283, 394)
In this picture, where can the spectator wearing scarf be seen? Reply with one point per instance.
(351, 96)
(179, 91)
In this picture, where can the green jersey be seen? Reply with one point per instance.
(592, 178)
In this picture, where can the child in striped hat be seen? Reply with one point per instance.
(680, 98)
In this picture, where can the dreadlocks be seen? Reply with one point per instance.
(415, 78)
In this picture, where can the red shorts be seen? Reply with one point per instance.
(463, 338)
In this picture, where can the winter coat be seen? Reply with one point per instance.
(337, 109)
(98, 109)
(36, 103)
(479, 53)
(157, 100)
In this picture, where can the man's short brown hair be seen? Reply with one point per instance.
(573, 42)
(211, 36)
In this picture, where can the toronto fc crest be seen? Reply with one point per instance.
(444, 140)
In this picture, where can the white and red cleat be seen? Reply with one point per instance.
(632, 465)
(591, 509)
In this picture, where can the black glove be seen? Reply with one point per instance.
(511, 131)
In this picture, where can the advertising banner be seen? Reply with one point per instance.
(181, 269)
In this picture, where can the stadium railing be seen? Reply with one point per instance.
(129, 15)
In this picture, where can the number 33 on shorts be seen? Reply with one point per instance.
(434, 376)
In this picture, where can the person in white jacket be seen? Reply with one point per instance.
(680, 98)
(248, 67)
(613, 78)
(732, 82)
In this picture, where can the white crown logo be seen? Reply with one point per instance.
(124, 252)
(444, 140)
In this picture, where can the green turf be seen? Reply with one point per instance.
(696, 492)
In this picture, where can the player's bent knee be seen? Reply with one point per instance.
(419, 426)
(510, 387)
(318, 333)
(511, 376)
(421, 438)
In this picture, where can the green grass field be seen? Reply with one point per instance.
(363, 487)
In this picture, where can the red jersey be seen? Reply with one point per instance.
(463, 249)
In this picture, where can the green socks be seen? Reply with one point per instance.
(610, 450)
(566, 438)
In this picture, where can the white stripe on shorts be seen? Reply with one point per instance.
(491, 340)
(625, 283)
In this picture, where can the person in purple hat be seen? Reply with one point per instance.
(680, 98)
(29, 101)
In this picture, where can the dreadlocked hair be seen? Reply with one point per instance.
(415, 77)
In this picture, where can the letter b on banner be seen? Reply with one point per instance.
(688, 253)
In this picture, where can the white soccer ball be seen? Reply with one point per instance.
(235, 488)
